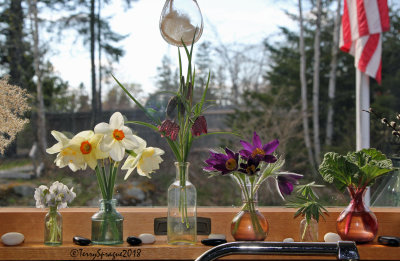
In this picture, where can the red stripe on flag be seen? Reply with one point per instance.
(368, 51)
(346, 29)
(384, 14)
(362, 19)
(378, 76)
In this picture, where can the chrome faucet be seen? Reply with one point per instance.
(344, 250)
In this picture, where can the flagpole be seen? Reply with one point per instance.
(362, 117)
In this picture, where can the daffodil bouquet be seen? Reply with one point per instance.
(103, 150)
(250, 167)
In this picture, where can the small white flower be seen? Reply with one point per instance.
(117, 137)
(39, 196)
(146, 160)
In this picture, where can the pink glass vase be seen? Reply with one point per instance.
(357, 222)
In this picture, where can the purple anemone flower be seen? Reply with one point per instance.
(286, 181)
(258, 150)
(250, 168)
(224, 163)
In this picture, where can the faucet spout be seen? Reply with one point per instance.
(343, 250)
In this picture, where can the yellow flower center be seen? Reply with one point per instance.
(86, 147)
(258, 151)
(118, 134)
(231, 164)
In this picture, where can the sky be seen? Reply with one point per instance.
(228, 21)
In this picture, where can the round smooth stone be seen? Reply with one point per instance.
(213, 242)
(147, 238)
(288, 240)
(82, 241)
(12, 238)
(216, 236)
(332, 237)
(134, 241)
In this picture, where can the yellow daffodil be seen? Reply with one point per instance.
(146, 160)
(66, 156)
(86, 145)
(117, 137)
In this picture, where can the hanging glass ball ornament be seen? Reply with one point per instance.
(180, 20)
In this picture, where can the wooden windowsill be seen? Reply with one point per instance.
(76, 221)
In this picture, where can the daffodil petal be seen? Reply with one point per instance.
(102, 128)
(55, 148)
(129, 143)
(116, 121)
(117, 151)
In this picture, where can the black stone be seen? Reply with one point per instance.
(134, 241)
(213, 242)
(81, 241)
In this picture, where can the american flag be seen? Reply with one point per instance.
(363, 22)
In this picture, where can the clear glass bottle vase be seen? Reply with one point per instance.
(107, 224)
(357, 222)
(249, 224)
(182, 208)
(53, 228)
(309, 230)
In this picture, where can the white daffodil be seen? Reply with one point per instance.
(117, 137)
(86, 145)
(66, 156)
(146, 160)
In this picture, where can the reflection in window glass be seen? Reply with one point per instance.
(252, 53)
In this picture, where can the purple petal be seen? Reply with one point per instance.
(209, 168)
(270, 158)
(230, 153)
(285, 188)
(271, 146)
(246, 145)
(245, 153)
(257, 141)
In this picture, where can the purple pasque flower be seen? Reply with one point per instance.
(258, 150)
(250, 168)
(224, 163)
(199, 126)
(169, 129)
(286, 182)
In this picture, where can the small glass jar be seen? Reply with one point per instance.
(309, 230)
(107, 224)
(182, 208)
(53, 228)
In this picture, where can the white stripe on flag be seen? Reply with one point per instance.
(352, 6)
(359, 47)
(373, 17)
(374, 63)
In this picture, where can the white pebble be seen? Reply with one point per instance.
(332, 237)
(216, 236)
(288, 240)
(12, 238)
(147, 238)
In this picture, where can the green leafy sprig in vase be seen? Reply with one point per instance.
(54, 198)
(308, 205)
(355, 171)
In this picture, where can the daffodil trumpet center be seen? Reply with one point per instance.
(231, 164)
(258, 151)
(118, 134)
(86, 147)
(147, 153)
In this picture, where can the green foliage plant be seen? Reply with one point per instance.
(308, 204)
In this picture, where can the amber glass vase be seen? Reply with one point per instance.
(357, 222)
(249, 224)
